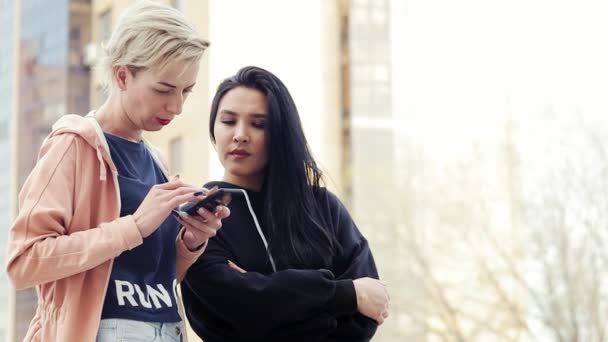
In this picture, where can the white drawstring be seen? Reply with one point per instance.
(257, 225)
(102, 165)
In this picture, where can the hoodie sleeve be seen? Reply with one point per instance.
(355, 260)
(223, 302)
(40, 247)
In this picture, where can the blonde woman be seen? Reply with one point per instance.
(94, 232)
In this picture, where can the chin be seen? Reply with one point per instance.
(238, 172)
(153, 128)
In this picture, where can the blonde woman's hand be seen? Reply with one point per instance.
(200, 228)
(372, 298)
(159, 202)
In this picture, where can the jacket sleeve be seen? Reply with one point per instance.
(185, 257)
(256, 305)
(40, 248)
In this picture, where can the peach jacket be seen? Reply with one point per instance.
(68, 231)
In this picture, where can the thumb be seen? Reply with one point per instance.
(235, 267)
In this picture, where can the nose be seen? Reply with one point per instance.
(240, 135)
(175, 104)
(241, 139)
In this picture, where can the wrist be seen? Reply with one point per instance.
(359, 293)
(193, 246)
(137, 221)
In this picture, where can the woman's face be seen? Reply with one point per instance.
(240, 136)
(152, 100)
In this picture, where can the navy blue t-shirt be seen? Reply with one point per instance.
(143, 280)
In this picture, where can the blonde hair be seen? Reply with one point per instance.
(149, 36)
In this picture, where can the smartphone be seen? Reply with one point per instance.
(219, 197)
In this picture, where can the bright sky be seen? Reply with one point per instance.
(458, 67)
(281, 36)
(462, 65)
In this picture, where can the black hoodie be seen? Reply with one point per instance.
(223, 304)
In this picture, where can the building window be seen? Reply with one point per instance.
(176, 155)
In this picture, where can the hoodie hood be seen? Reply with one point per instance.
(89, 130)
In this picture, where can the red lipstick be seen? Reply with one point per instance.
(163, 122)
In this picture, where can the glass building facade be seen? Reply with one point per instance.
(373, 152)
(7, 48)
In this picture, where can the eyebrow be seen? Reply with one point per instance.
(255, 115)
(172, 86)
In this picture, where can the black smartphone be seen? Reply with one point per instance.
(219, 197)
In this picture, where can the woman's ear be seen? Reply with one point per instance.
(121, 73)
(212, 138)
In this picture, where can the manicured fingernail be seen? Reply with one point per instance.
(198, 193)
(175, 213)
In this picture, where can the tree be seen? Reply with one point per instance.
(507, 250)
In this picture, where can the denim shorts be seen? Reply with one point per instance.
(126, 330)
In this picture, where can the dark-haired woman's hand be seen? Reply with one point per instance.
(372, 298)
(200, 228)
(235, 267)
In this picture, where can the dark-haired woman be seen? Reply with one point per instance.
(289, 263)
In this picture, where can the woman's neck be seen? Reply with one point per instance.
(114, 120)
(251, 183)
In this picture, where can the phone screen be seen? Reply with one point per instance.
(211, 202)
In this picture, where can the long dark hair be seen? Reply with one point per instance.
(298, 234)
